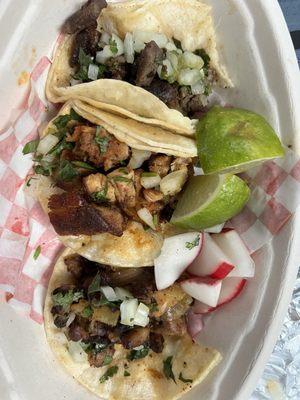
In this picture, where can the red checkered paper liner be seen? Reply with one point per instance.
(24, 227)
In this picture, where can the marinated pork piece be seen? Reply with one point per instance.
(156, 342)
(71, 214)
(99, 188)
(160, 163)
(176, 327)
(122, 180)
(86, 16)
(147, 63)
(87, 40)
(152, 195)
(135, 337)
(166, 92)
(78, 330)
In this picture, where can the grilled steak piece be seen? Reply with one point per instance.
(135, 337)
(156, 342)
(85, 17)
(97, 359)
(87, 40)
(166, 92)
(75, 264)
(71, 214)
(147, 64)
(116, 68)
(78, 330)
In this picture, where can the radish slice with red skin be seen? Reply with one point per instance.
(194, 323)
(234, 248)
(231, 288)
(176, 254)
(211, 261)
(206, 290)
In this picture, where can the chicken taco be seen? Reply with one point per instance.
(109, 184)
(120, 337)
(153, 61)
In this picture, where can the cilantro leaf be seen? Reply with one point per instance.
(107, 360)
(102, 142)
(60, 146)
(95, 285)
(137, 354)
(37, 252)
(181, 378)
(108, 374)
(126, 373)
(120, 178)
(66, 299)
(30, 147)
(194, 243)
(87, 312)
(113, 46)
(100, 196)
(168, 368)
(81, 164)
(84, 61)
(66, 171)
(29, 180)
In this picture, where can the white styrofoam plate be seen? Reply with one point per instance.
(257, 50)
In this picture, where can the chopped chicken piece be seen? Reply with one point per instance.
(99, 188)
(153, 195)
(122, 181)
(181, 163)
(160, 163)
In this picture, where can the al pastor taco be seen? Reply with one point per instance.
(153, 61)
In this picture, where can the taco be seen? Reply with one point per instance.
(120, 337)
(153, 61)
(109, 184)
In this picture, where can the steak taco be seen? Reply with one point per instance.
(120, 337)
(153, 61)
(109, 184)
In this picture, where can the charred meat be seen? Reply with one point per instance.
(147, 64)
(160, 163)
(166, 92)
(135, 337)
(86, 40)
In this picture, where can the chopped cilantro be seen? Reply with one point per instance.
(181, 378)
(87, 312)
(100, 196)
(62, 120)
(37, 252)
(81, 164)
(137, 354)
(66, 299)
(98, 347)
(60, 146)
(107, 360)
(153, 307)
(66, 171)
(102, 142)
(30, 147)
(149, 174)
(40, 170)
(126, 373)
(155, 220)
(74, 116)
(194, 243)
(29, 180)
(109, 373)
(113, 46)
(168, 368)
(95, 285)
(84, 61)
(120, 178)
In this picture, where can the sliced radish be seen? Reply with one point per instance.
(194, 323)
(231, 288)
(235, 249)
(212, 261)
(206, 290)
(176, 254)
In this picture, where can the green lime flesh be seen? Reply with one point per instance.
(234, 140)
(210, 200)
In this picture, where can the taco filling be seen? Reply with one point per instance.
(104, 183)
(181, 79)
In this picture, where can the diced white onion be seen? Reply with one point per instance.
(103, 55)
(170, 46)
(173, 182)
(123, 294)
(191, 60)
(147, 217)
(198, 88)
(188, 77)
(129, 48)
(105, 37)
(70, 319)
(150, 181)
(76, 352)
(172, 56)
(169, 69)
(47, 143)
(93, 72)
(109, 293)
(128, 310)
(138, 157)
(138, 45)
(119, 44)
(74, 82)
(142, 315)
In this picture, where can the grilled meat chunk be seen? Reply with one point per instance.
(97, 359)
(71, 214)
(99, 188)
(176, 327)
(77, 331)
(147, 64)
(122, 181)
(75, 264)
(97, 328)
(135, 337)
(85, 17)
(160, 163)
(144, 285)
(166, 92)
(61, 320)
(87, 40)
(190, 104)
(116, 68)
(156, 342)
(152, 195)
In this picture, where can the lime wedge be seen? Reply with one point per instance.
(234, 140)
(209, 200)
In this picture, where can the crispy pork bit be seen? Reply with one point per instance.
(99, 188)
(71, 214)
(122, 180)
(97, 359)
(85, 17)
(147, 63)
(156, 342)
(135, 337)
(77, 331)
(176, 327)
(153, 195)
(75, 264)
(160, 164)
